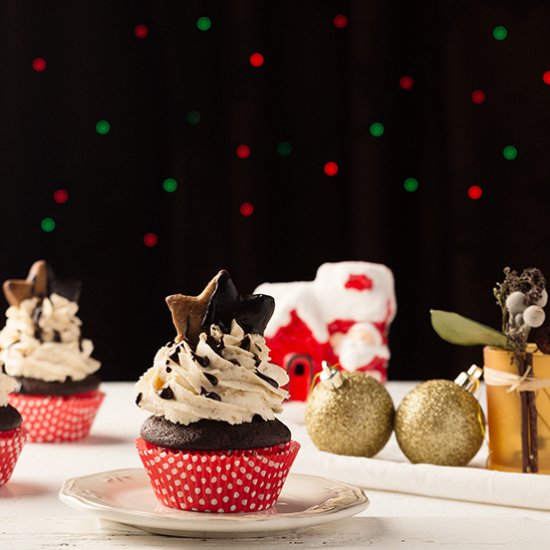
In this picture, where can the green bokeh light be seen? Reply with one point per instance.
(204, 23)
(376, 129)
(169, 185)
(284, 148)
(410, 185)
(102, 127)
(500, 33)
(510, 152)
(47, 225)
(193, 117)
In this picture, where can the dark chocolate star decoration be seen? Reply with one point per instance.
(40, 282)
(219, 303)
(251, 311)
(69, 288)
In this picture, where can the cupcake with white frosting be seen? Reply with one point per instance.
(42, 348)
(213, 442)
(12, 434)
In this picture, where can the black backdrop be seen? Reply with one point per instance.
(319, 89)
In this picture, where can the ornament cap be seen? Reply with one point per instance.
(469, 380)
(331, 375)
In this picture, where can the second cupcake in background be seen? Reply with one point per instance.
(12, 434)
(42, 348)
(213, 443)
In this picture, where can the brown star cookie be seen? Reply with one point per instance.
(188, 312)
(36, 284)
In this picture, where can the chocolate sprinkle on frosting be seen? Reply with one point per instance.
(35, 316)
(267, 379)
(211, 378)
(257, 360)
(36, 313)
(202, 361)
(174, 357)
(166, 393)
(138, 398)
(245, 343)
(216, 347)
(210, 395)
(235, 362)
(168, 369)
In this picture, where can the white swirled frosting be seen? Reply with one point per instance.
(228, 377)
(41, 340)
(7, 385)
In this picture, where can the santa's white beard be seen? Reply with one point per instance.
(354, 353)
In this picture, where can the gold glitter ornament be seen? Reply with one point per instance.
(441, 422)
(349, 413)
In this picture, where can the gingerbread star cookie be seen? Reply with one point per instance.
(188, 311)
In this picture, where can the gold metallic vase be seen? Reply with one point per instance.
(504, 413)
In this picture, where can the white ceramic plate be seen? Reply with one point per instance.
(125, 496)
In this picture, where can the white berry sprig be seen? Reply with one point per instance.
(522, 298)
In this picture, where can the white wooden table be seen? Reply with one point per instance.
(32, 517)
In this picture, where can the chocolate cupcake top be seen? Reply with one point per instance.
(7, 385)
(41, 339)
(221, 371)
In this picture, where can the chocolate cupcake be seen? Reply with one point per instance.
(12, 434)
(214, 395)
(41, 347)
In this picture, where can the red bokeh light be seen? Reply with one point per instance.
(406, 82)
(141, 31)
(256, 59)
(243, 151)
(475, 192)
(331, 169)
(478, 96)
(39, 64)
(340, 21)
(247, 209)
(150, 239)
(546, 77)
(60, 196)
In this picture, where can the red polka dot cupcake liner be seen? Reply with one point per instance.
(11, 443)
(57, 418)
(218, 481)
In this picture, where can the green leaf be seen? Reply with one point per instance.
(456, 329)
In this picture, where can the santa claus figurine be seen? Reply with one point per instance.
(362, 348)
(342, 316)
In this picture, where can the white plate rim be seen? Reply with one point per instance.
(203, 524)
